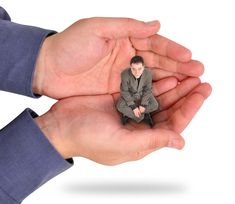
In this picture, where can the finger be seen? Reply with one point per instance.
(204, 89)
(185, 113)
(158, 87)
(186, 86)
(164, 85)
(190, 68)
(113, 28)
(144, 140)
(163, 46)
(138, 155)
(137, 114)
(158, 74)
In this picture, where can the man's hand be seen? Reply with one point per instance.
(137, 112)
(89, 126)
(88, 57)
(142, 109)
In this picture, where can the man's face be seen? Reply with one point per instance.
(137, 69)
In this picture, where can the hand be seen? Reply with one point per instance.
(88, 57)
(137, 112)
(142, 109)
(89, 126)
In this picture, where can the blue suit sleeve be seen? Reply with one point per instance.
(20, 45)
(27, 159)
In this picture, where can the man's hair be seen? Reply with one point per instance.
(137, 59)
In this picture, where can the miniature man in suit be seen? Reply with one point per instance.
(136, 101)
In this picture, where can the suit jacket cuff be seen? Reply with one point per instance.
(20, 45)
(27, 158)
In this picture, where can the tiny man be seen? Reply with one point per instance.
(136, 101)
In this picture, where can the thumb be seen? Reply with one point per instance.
(144, 140)
(113, 28)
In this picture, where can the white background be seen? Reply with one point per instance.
(203, 172)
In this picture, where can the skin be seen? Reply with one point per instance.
(142, 109)
(137, 112)
(88, 57)
(88, 126)
(81, 66)
(137, 69)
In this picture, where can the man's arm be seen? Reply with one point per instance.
(20, 45)
(27, 159)
(147, 91)
(4, 15)
(125, 91)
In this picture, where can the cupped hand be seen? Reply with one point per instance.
(90, 126)
(88, 57)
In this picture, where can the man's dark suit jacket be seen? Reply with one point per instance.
(131, 92)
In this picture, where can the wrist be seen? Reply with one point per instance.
(41, 64)
(48, 126)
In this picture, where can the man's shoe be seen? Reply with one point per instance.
(148, 119)
(124, 119)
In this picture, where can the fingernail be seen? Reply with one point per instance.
(153, 23)
(175, 143)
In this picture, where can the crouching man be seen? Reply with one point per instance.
(136, 101)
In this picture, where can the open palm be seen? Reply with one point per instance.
(88, 57)
(89, 126)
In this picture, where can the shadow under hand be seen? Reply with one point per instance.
(126, 188)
